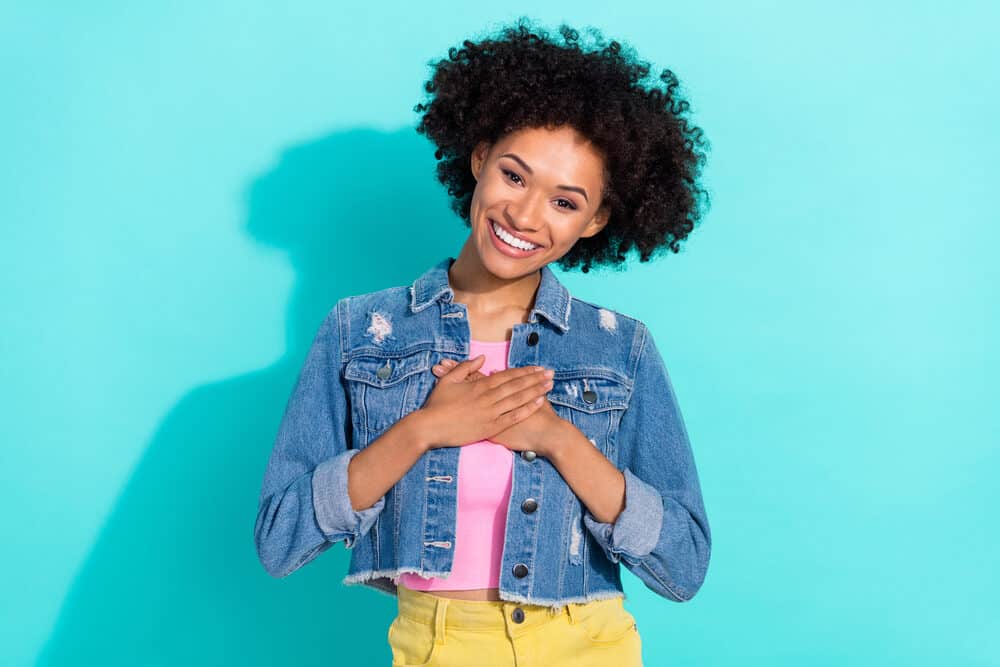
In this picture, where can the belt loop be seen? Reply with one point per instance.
(439, 615)
(574, 613)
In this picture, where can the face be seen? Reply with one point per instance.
(542, 187)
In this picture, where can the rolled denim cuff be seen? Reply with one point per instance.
(637, 529)
(335, 515)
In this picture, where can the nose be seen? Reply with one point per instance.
(525, 215)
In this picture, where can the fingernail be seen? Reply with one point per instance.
(549, 373)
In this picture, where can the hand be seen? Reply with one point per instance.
(534, 432)
(464, 411)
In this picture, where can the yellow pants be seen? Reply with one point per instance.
(435, 631)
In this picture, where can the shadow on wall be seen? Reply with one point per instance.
(173, 578)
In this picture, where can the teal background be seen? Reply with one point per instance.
(185, 190)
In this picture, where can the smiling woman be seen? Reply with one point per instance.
(497, 502)
(630, 125)
(530, 211)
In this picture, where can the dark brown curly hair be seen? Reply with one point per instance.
(524, 78)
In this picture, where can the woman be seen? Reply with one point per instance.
(489, 447)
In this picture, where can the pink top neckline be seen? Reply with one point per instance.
(490, 342)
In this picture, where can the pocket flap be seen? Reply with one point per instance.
(589, 393)
(386, 371)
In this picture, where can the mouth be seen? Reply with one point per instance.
(507, 243)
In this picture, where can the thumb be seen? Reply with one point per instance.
(460, 372)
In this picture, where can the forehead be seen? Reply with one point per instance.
(561, 150)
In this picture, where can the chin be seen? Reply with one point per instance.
(502, 269)
(507, 268)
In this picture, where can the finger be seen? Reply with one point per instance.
(519, 414)
(509, 374)
(460, 371)
(524, 396)
(525, 382)
(442, 367)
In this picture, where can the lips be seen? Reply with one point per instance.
(514, 234)
(507, 250)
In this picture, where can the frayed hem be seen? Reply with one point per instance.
(362, 577)
(384, 581)
(557, 604)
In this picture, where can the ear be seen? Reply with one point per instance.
(479, 154)
(597, 223)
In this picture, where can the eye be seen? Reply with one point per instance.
(510, 173)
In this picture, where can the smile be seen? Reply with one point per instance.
(510, 240)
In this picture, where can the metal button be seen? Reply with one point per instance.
(517, 615)
(529, 505)
(533, 338)
(589, 396)
(520, 570)
(528, 455)
(384, 372)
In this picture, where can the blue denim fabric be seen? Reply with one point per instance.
(370, 365)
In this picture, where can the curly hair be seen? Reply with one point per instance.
(524, 78)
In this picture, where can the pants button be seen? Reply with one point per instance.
(517, 615)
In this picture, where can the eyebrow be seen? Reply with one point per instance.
(528, 169)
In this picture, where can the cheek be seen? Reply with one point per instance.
(565, 235)
(488, 193)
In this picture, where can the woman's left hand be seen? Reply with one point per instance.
(532, 433)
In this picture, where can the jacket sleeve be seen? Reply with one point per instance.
(662, 535)
(304, 506)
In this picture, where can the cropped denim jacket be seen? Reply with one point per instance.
(370, 364)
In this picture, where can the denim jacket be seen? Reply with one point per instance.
(370, 364)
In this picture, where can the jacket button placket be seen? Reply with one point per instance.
(442, 462)
(531, 340)
(524, 516)
(524, 511)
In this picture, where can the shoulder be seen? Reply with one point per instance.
(587, 313)
(611, 335)
(388, 300)
(378, 317)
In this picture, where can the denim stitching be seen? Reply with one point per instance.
(679, 597)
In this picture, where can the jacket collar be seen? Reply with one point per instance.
(552, 299)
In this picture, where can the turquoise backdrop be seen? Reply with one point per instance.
(187, 188)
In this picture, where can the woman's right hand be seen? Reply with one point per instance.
(460, 411)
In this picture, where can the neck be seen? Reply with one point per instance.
(484, 292)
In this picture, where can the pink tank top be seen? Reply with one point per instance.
(484, 477)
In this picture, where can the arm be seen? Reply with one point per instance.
(662, 534)
(305, 505)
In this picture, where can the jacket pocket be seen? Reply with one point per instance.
(385, 389)
(593, 402)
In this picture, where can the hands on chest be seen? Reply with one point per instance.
(508, 407)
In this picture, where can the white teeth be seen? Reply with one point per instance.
(512, 240)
